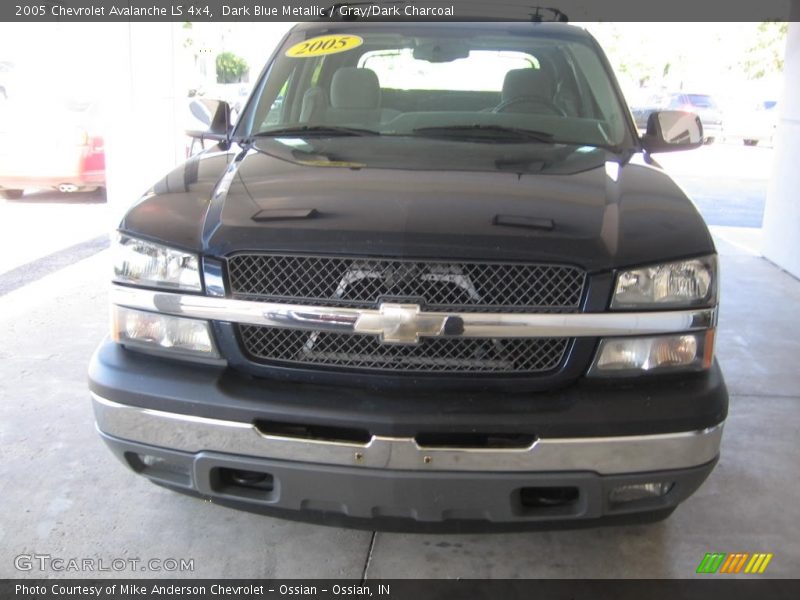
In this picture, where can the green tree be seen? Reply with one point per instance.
(230, 68)
(633, 53)
(765, 55)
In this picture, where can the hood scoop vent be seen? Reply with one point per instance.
(523, 221)
(283, 214)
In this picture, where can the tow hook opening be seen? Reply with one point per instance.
(243, 483)
(547, 500)
(159, 468)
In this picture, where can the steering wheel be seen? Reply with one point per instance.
(551, 106)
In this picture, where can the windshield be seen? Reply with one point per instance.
(476, 84)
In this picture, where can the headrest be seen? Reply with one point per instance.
(355, 88)
(526, 82)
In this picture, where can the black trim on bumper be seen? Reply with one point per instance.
(643, 406)
(392, 500)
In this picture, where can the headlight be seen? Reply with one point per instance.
(677, 284)
(155, 331)
(145, 263)
(619, 357)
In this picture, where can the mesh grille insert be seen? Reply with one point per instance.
(431, 355)
(358, 282)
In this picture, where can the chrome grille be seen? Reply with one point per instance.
(434, 285)
(431, 355)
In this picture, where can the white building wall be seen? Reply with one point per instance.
(782, 213)
(143, 104)
(146, 96)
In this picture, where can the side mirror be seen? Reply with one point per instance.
(671, 130)
(212, 119)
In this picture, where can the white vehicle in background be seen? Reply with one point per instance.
(753, 124)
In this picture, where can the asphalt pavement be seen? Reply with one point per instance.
(43, 223)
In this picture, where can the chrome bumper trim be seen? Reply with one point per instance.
(397, 323)
(603, 455)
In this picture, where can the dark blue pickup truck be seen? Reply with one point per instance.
(432, 279)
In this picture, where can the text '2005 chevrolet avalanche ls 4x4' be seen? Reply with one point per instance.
(431, 279)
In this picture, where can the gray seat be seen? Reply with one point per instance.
(356, 99)
(315, 102)
(528, 90)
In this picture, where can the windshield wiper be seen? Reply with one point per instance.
(317, 130)
(487, 133)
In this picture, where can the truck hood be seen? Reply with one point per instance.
(537, 203)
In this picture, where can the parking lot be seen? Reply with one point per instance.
(69, 498)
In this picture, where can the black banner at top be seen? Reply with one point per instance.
(384, 10)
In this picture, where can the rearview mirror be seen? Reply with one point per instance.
(671, 130)
(441, 51)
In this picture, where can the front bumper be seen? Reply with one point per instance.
(602, 455)
(187, 426)
(407, 500)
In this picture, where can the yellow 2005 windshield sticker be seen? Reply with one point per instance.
(324, 44)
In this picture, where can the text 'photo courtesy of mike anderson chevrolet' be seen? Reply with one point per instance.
(431, 279)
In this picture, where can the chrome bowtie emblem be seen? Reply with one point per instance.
(401, 323)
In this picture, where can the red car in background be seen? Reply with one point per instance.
(55, 144)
